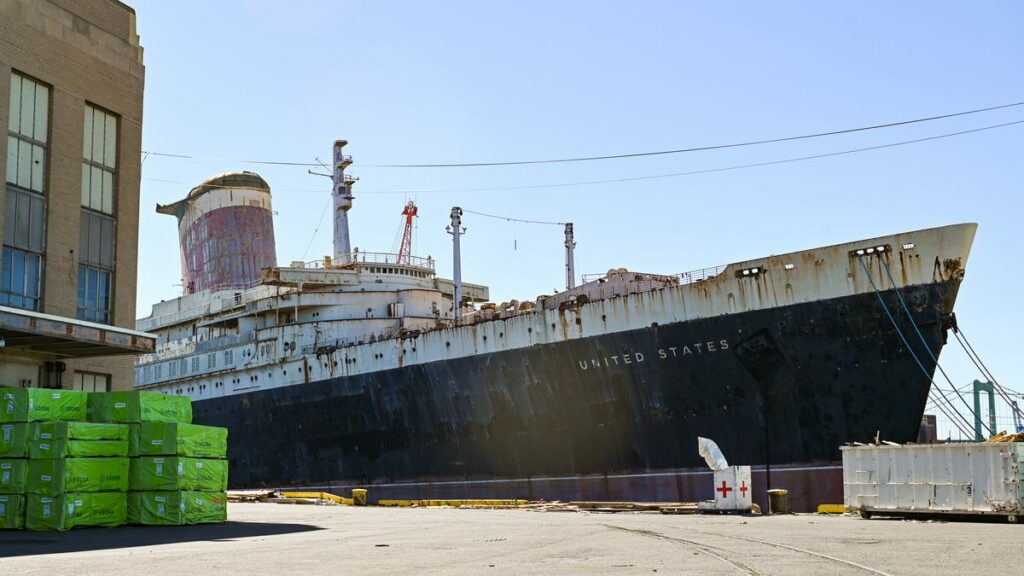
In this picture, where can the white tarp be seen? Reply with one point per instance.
(712, 455)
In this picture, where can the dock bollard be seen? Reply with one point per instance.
(778, 501)
(359, 496)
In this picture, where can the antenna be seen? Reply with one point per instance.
(405, 248)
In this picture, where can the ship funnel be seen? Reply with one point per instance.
(343, 197)
(226, 231)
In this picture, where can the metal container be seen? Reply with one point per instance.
(976, 478)
(732, 489)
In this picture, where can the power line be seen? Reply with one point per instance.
(618, 156)
(675, 174)
(507, 219)
(698, 148)
(704, 171)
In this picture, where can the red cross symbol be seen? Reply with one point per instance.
(743, 488)
(724, 489)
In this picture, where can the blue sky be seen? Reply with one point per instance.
(479, 81)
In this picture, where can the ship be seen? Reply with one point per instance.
(368, 370)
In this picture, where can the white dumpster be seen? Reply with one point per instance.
(975, 478)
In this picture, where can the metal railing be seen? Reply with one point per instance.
(684, 277)
(375, 258)
(700, 275)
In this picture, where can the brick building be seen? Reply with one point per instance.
(71, 86)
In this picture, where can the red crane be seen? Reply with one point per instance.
(405, 249)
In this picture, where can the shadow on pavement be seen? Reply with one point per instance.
(25, 543)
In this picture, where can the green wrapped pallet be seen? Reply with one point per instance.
(54, 430)
(70, 510)
(58, 475)
(177, 439)
(12, 511)
(13, 440)
(33, 404)
(68, 447)
(138, 406)
(177, 473)
(133, 439)
(13, 474)
(177, 507)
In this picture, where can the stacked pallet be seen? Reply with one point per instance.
(13, 456)
(177, 471)
(77, 475)
(59, 471)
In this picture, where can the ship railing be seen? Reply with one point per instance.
(242, 294)
(684, 277)
(427, 263)
(700, 275)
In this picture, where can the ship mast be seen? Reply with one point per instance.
(570, 266)
(405, 248)
(343, 197)
(456, 230)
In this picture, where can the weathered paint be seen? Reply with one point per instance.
(617, 388)
(226, 230)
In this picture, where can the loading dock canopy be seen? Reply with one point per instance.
(36, 333)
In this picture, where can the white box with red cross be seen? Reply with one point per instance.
(732, 489)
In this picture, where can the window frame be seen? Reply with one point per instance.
(80, 378)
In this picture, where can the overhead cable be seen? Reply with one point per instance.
(617, 156)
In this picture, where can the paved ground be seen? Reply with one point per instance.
(272, 539)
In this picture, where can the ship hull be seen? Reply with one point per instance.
(609, 417)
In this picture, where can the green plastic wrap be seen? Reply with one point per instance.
(12, 511)
(13, 440)
(133, 440)
(13, 475)
(32, 404)
(138, 406)
(174, 508)
(58, 475)
(176, 439)
(66, 447)
(177, 473)
(53, 430)
(76, 509)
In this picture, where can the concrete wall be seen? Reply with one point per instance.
(87, 51)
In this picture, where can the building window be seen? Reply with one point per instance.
(173, 369)
(94, 294)
(90, 382)
(99, 162)
(195, 364)
(19, 286)
(183, 366)
(25, 211)
(97, 229)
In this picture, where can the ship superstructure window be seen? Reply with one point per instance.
(211, 361)
(97, 231)
(195, 364)
(229, 357)
(90, 382)
(25, 211)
